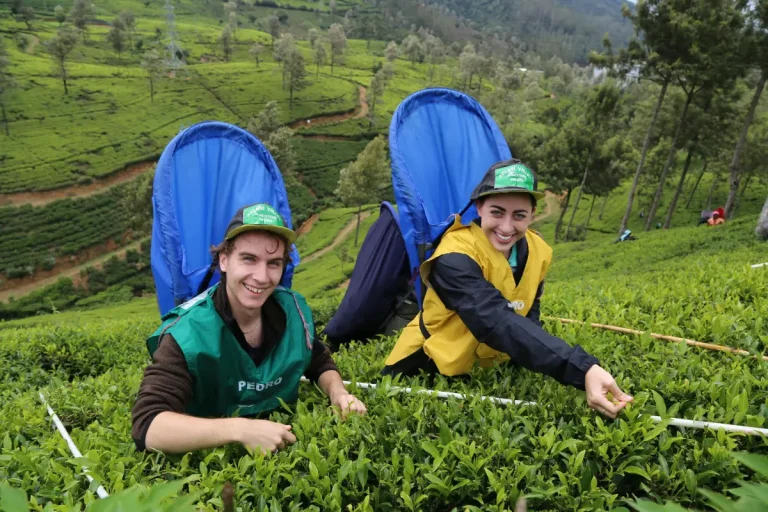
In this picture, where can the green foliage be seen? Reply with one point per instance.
(61, 228)
(415, 451)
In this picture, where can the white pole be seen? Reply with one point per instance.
(678, 422)
(760, 265)
(72, 447)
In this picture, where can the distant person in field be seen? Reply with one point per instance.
(484, 287)
(235, 351)
(718, 217)
(705, 216)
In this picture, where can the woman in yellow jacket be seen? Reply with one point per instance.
(484, 285)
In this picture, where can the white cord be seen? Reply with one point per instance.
(678, 422)
(72, 446)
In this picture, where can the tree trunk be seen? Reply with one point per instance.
(317, 70)
(643, 154)
(578, 199)
(762, 222)
(5, 120)
(680, 184)
(712, 190)
(696, 185)
(151, 91)
(740, 197)
(290, 103)
(733, 169)
(589, 217)
(602, 210)
(332, 59)
(357, 229)
(559, 224)
(668, 165)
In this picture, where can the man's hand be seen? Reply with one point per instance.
(269, 436)
(347, 403)
(598, 383)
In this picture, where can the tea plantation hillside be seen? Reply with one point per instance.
(418, 452)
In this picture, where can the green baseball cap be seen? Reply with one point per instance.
(509, 176)
(259, 217)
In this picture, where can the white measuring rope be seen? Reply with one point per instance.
(678, 422)
(72, 446)
(760, 265)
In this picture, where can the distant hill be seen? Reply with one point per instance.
(565, 28)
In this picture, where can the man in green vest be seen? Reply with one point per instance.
(235, 350)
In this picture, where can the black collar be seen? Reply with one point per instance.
(272, 315)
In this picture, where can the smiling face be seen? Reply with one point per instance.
(505, 219)
(254, 268)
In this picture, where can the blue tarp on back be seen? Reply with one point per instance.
(205, 174)
(441, 143)
(380, 275)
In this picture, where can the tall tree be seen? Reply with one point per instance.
(60, 15)
(296, 74)
(321, 55)
(313, 36)
(116, 36)
(129, 24)
(266, 122)
(256, 50)
(230, 10)
(376, 91)
(80, 14)
(226, 42)
(762, 222)
(757, 53)
(414, 49)
(152, 63)
(642, 56)
(363, 180)
(273, 23)
(338, 40)
(707, 41)
(26, 15)
(391, 52)
(7, 83)
(280, 146)
(284, 48)
(60, 46)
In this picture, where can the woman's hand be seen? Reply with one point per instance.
(347, 403)
(598, 383)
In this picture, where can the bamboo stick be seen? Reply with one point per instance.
(674, 339)
(760, 265)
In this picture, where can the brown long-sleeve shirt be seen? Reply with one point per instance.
(167, 384)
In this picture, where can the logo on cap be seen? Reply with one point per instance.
(514, 176)
(262, 215)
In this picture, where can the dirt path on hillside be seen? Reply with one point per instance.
(47, 196)
(341, 236)
(551, 204)
(358, 112)
(33, 45)
(67, 269)
(307, 226)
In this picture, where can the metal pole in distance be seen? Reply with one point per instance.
(102, 493)
(678, 422)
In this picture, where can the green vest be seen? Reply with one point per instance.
(226, 382)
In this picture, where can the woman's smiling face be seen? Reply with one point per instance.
(505, 219)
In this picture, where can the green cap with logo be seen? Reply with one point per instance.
(259, 217)
(510, 176)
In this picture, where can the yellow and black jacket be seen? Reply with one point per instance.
(478, 311)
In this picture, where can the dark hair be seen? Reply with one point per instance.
(481, 199)
(227, 246)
